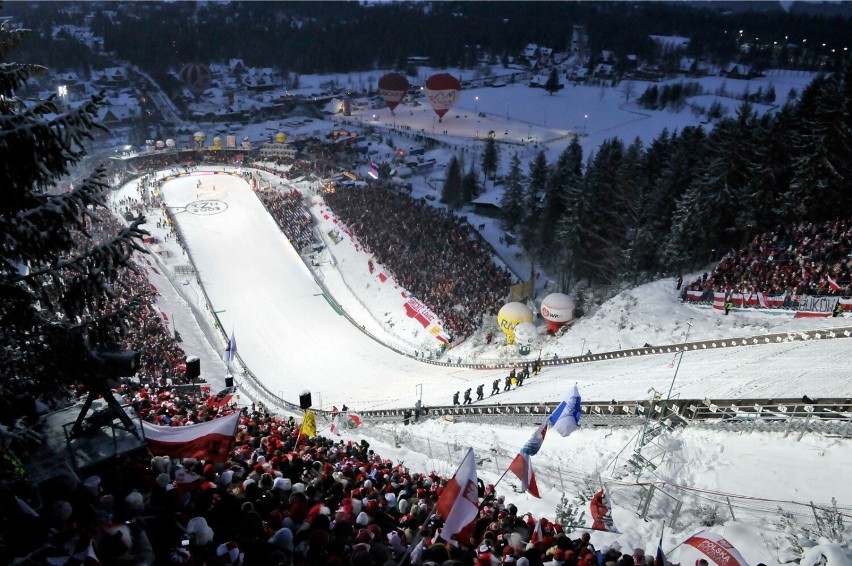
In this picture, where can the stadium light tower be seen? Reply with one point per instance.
(62, 91)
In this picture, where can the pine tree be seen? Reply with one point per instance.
(532, 203)
(630, 204)
(670, 167)
(773, 164)
(569, 226)
(603, 228)
(552, 84)
(451, 194)
(649, 98)
(470, 186)
(822, 148)
(563, 175)
(490, 157)
(56, 280)
(512, 202)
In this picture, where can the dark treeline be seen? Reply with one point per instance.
(323, 37)
(630, 212)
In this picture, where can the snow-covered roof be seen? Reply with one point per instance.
(529, 50)
(112, 114)
(69, 78)
(115, 73)
(737, 68)
(493, 196)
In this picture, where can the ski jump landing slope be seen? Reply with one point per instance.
(292, 339)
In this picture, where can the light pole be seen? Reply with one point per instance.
(476, 105)
(585, 123)
(418, 391)
(674, 377)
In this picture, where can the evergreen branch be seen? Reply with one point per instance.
(36, 150)
(10, 39)
(13, 75)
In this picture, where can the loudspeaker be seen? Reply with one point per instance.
(305, 400)
(229, 381)
(193, 367)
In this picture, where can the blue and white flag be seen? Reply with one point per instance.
(566, 418)
(533, 445)
(230, 350)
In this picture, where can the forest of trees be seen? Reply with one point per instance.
(309, 38)
(630, 212)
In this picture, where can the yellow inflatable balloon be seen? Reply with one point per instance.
(280, 137)
(511, 315)
(217, 142)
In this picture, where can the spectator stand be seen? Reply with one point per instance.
(790, 268)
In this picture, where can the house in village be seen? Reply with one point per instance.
(237, 68)
(577, 74)
(604, 71)
(122, 113)
(489, 203)
(71, 81)
(261, 80)
(535, 56)
(737, 71)
(111, 78)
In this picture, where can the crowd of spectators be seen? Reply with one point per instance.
(438, 257)
(234, 158)
(281, 498)
(288, 211)
(288, 168)
(162, 357)
(799, 259)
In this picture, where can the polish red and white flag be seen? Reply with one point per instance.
(459, 503)
(832, 284)
(210, 441)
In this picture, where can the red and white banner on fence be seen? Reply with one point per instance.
(818, 307)
(808, 306)
(417, 310)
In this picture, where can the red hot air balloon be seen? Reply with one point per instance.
(392, 88)
(196, 77)
(442, 90)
